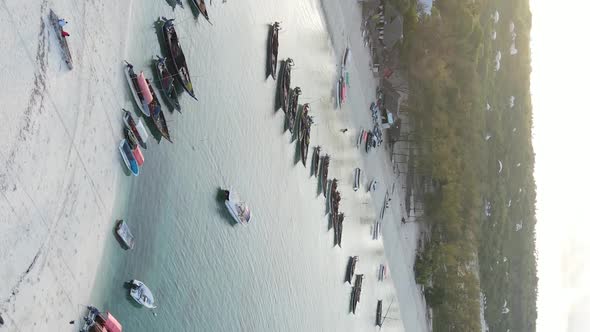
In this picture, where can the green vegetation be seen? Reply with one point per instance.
(449, 57)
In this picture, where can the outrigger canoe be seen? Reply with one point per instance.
(177, 56)
(202, 8)
(62, 40)
(167, 83)
(273, 50)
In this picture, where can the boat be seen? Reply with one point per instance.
(357, 179)
(176, 54)
(292, 108)
(359, 140)
(373, 185)
(135, 89)
(202, 8)
(315, 160)
(304, 128)
(376, 230)
(355, 297)
(382, 272)
(128, 157)
(133, 144)
(324, 173)
(342, 91)
(273, 50)
(238, 209)
(142, 294)
(338, 219)
(378, 320)
(167, 83)
(96, 321)
(285, 84)
(338, 89)
(63, 42)
(345, 57)
(124, 234)
(137, 128)
(350, 268)
(157, 115)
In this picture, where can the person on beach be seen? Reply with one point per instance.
(403, 220)
(344, 130)
(64, 33)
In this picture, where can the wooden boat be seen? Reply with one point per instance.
(202, 8)
(167, 83)
(124, 234)
(157, 115)
(315, 160)
(382, 272)
(324, 173)
(285, 84)
(345, 57)
(273, 50)
(304, 134)
(378, 320)
(342, 91)
(359, 140)
(356, 292)
(350, 268)
(292, 109)
(132, 80)
(128, 157)
(338, 229)
(137, 128)
(176, 54)
(357, 179)
(372, 185)
(338, 90)
(62, 40)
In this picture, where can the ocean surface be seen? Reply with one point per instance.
(281, 272)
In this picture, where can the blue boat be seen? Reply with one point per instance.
(128, 157)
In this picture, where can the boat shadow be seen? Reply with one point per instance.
(220, 198)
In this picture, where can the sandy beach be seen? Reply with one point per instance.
(60, 169)
(61, 176)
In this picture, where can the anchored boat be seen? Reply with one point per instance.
(238, 209)
(142, 294)
(124, 234)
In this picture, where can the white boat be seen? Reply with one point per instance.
(357, 179)
(135, 89)
(124, 234)
(142, 294)
(238, 209)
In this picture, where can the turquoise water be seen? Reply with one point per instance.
(280, 273)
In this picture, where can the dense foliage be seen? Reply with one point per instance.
(481, 220)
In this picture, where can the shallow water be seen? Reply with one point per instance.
(280, 273)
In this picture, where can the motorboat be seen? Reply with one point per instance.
(124, 234)
(238, 209)
(142, 294)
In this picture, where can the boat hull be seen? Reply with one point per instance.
(142, 294)
(125, 235)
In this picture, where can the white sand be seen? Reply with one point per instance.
(59, 162)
